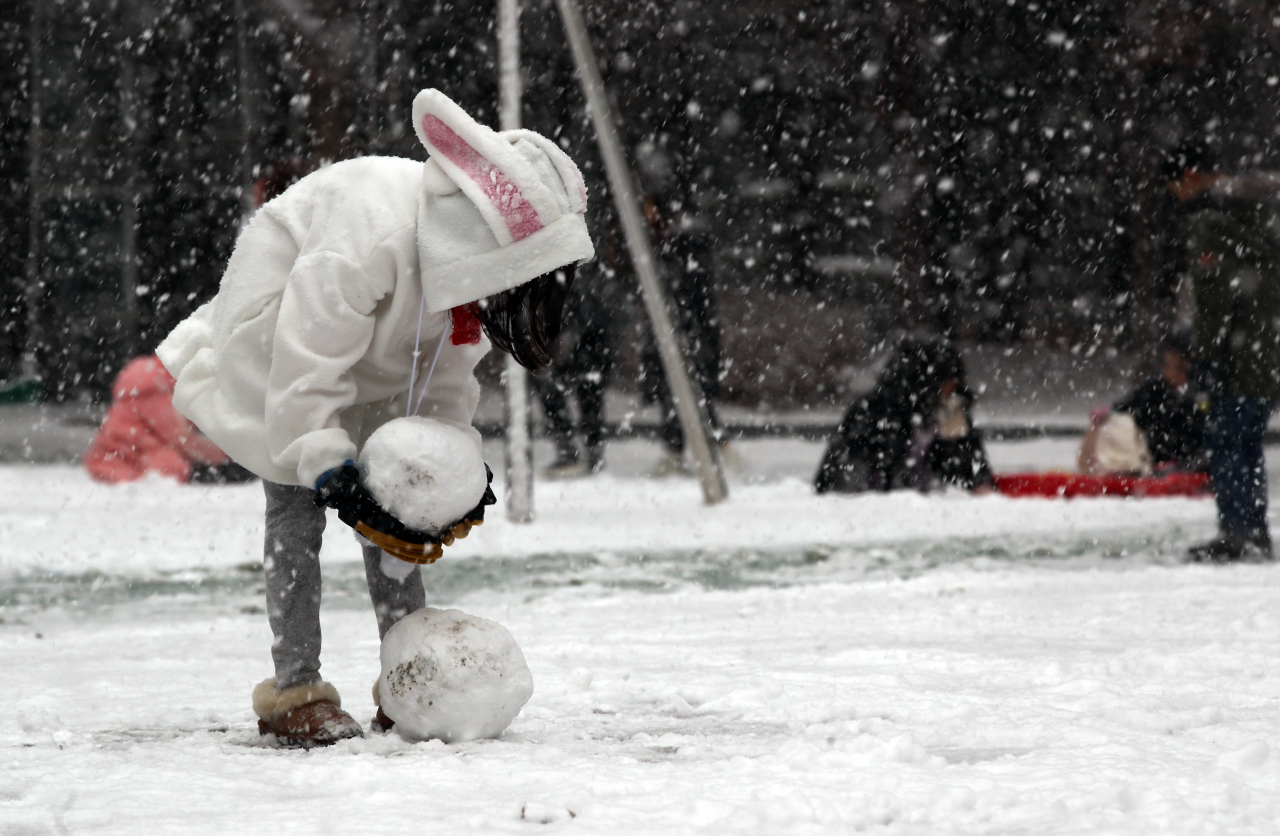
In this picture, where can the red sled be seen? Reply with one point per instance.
(1069, 485)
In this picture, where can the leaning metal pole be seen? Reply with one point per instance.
(690, 404)
(518, 444)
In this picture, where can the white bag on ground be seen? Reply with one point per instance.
(1119, 447)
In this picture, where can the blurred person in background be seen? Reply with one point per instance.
(914, 429)
(1159, 426)
(675, 169)
(1234, 259)
(584, 364)
(143, 434)
(684, 246)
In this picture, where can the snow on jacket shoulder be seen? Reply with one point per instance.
(309, 345)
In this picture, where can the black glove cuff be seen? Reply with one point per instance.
(345, 492)
(476, 514)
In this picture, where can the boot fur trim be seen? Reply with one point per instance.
(271, 704)
(377, 695)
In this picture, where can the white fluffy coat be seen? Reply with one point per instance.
(308, 346)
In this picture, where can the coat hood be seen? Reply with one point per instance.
(142, 377)
(497, 209)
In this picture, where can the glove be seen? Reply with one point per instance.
(343, 490)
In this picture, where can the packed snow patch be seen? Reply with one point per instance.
(425, 471)
(452, 676)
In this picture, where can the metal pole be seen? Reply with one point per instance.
(34, 290)
(519, 446)
(248, 203)
(129, 199)
(369, 74)
(690, 404)
(509, 87)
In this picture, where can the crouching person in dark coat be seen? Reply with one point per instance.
(914, 429)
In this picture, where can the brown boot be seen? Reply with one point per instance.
(304, 715)
(381, 723)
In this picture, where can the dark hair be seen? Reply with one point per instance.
(525, 320)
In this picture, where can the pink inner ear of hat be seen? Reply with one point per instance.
(520, 217)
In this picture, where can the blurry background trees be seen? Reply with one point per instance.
(986, 169)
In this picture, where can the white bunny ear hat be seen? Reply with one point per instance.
(529, 194)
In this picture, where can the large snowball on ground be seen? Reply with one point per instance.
(453, 676)
(426, 472)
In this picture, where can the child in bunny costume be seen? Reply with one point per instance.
(312, 340)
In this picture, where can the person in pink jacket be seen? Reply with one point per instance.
(144, 434)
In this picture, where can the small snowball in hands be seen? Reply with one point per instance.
(452, 676)
(426, 472)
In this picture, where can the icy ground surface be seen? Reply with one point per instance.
(782, 663)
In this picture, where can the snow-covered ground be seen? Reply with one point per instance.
(780, 663)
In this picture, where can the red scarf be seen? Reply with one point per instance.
(466, 325)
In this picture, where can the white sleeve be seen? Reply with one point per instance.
(325, 326)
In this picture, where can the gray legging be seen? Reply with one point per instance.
(291, 562)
